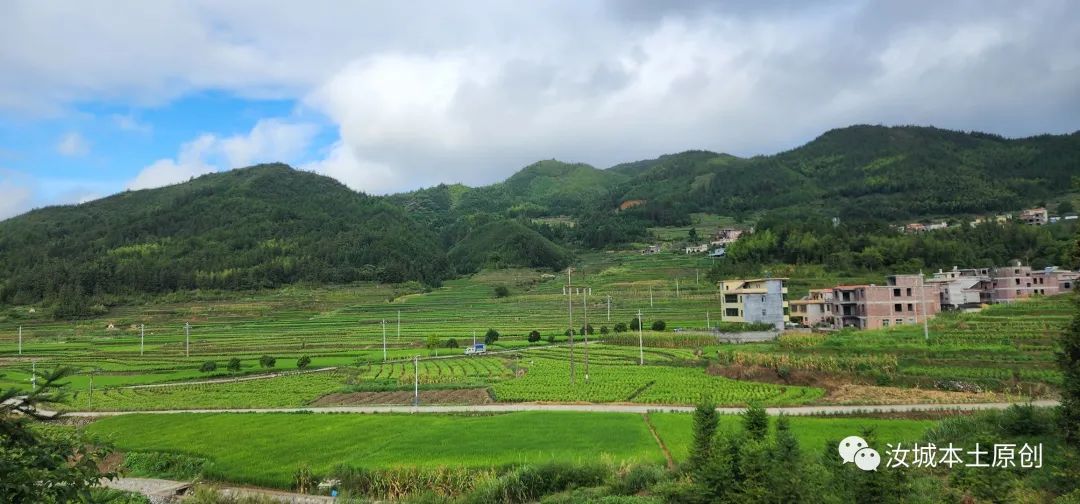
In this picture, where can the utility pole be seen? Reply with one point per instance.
(676, 287)
(142, 339)
(33, 375)
(925, 315)
(187, 339)
(697, 276)
(384, 340)
(641, 340)
(570, 314)
(708, 323)
(416, 380)
(474, 337)
(585, 329)
(609, 308)
(20, 340)
(90, 394)
(399, 326)
(650, 297)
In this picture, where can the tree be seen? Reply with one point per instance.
(587, 329)
(787, 476)
(432, 342)
(491, 336)
(534, 336)
(635, 324)
(620, 327)
(303, 362)
(1069, 362)
(756, 422)
(604, 329)
(234, 365)
(1065, 207)
(692, 235)
(501, 291)
(267, 361)
(208, 367)
(45, 468)
(659, 325)
(705, 422)
(451, 343)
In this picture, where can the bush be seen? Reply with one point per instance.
(451, 343)
(529, 483)
(164, 465)
(637, 479)
(604, 329)
(303, 362)
(534, 336)
(587, 329)
(1025, 420)
(620, 327)
(208, 367)
(659, 325)
(551, 339)
(267, 361)
(635, 324)
(501, 291)
(491, 336)
(234, 365)
(303, 480)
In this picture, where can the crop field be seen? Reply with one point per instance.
(274, 445)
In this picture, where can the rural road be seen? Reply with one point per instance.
(600, 408)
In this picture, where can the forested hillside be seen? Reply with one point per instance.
(271, 225)
(256, 227)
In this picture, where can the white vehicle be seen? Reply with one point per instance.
(476, 349)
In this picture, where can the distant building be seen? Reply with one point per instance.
(933, 226)
(651, 249)
(915, 227)
(813, 309)
(1034, 216)
(697, 249)
(759, 300)
(1015, 282)
(903, 300)
(1069, 217)
(725, 236)
(628, 204)
(718, 252)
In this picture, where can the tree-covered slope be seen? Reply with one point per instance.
(506, 243)
(256, 227)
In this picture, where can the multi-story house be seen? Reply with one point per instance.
(814, 309)
(1034, 216)
(962, 288)
(905, 299)
(758, 300)
(1018, 282)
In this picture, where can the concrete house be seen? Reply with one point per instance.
(1015, 282)
(814, 309)
(1034, 216)
(962, 288)
(905, 299)
(697, 249)
(758, 300)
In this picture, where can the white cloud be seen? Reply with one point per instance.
(270, 140)
(72, 144)
(16, 194)
(190, 162)
(128, 122)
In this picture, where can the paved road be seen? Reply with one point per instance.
(167, 491)
(603, 408)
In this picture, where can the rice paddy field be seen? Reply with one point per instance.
(274, 445)
(341, 329)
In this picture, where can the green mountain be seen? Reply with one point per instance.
(506, 243)
(262, 226)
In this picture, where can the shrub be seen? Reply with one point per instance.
(587, 329)
(303, 479)
(491, 336)
(234, 364)
(303, 362)
(501, 291)
(635, 324)
(637, 479)
(604, 329)
(551, 338)
(534, 336)
(267, 361)
(1025, 420)
(208, 367)
(451, 343)
(620, 327)
(659, 325)
(164, 465)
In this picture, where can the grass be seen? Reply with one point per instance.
(264, 449)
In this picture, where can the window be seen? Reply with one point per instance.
(899, 321)
(909, 291)
(787, 311)
(731, 298)
(732, 312)
(1017, 281)
(885, 323)
(910, 307)
(896, 292)
(898, 307)
(762, 312)
(762, 299)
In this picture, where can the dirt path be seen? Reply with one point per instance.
(603, 408)
(165, 491)
(656, 436)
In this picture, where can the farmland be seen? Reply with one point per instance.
(275, 444)
(1004, 348)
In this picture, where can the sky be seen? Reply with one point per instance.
(99, 97)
